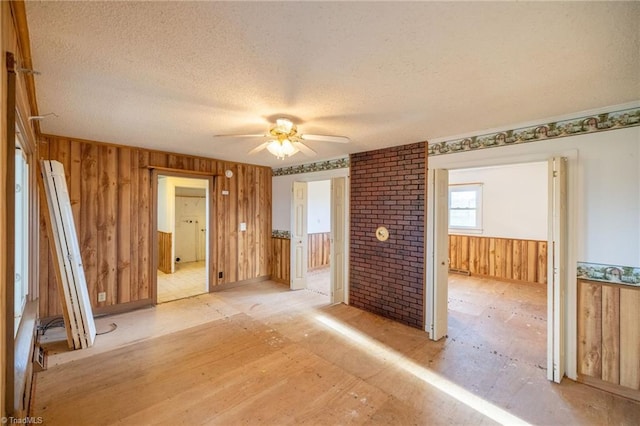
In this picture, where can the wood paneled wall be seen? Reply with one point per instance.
(111, 194)
(318, 250)
(609, 337)
(281, 260)
(165, 244)
(520, 260)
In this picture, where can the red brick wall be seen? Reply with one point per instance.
(388, 189)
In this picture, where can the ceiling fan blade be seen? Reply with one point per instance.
(326, 138)
(240, 136)
(258, 148)
(304, 149)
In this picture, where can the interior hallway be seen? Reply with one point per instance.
(263, 354)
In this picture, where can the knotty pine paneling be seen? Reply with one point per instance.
(110, 190)
(609, 336)
(511, 259)
(281, 264)
(165, 244)
(318, 250)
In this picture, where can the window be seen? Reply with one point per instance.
(465, 207)
(21, 236)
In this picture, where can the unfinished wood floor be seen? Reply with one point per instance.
(266, 355)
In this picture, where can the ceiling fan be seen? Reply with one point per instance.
(285, 140)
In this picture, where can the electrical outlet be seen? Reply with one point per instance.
(102, 296)
(220, 274)
(40, 358)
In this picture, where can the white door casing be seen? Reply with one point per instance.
(437, 253)
(556, 273)
(338, 260)
(299, 236)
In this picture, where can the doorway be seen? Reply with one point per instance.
(497, 250)
(438, 254)
(183, 215)
(318, 237)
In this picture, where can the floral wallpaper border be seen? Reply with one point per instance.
(276, 233)
(340, 163)
(626, 275)
(590, 124)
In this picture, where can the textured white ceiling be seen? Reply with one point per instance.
(170, 75)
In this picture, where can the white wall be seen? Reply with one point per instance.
(514, 199)
(604, 176)
(165, 205)
(319, 207)
(281, 194)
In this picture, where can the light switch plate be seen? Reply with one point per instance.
(243, 226)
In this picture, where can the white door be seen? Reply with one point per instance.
(556, 275)
(299, 236)
(437, 254)
(186, 237)
(338, 211)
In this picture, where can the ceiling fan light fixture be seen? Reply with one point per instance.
(281, 149)
(284, 125)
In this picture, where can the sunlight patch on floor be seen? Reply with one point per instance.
(442, 384)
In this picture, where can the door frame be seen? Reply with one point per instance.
(472, 160)
(212, 248)
(437, 254)
(299, 249)
(315, 177)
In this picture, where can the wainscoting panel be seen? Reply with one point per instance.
(281, 260)
(164, 251)
(608, 336)
(511, 259)
(319, 250)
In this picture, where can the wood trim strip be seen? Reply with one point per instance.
(9, 232)
(182, 171)
(19, 13)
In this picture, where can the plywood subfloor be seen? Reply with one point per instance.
(319, 280)
(262, 354)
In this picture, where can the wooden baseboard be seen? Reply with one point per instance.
(623, 391)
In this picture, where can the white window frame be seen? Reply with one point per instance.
(21, 289)
(477, 228)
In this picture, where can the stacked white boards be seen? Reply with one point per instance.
(81, 329)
